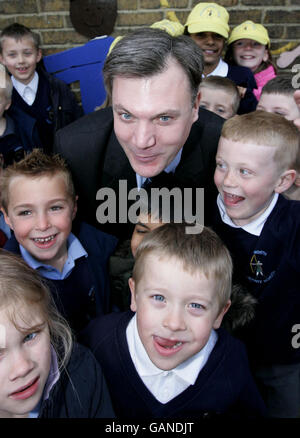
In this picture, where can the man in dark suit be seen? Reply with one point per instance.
(154, 128)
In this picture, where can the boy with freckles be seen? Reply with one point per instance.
(256, 158)
(170, 358)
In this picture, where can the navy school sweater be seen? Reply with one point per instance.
(80, 392)
(269, 267)
(54, 107)
(224, 386)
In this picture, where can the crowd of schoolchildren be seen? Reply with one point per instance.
(63, 351)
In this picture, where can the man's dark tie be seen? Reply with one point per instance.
(164, 179)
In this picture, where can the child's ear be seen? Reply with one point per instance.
(297, 180)
(6, 218)
(131, 283)
(39, 55)
(285, 181)
(266, 55)
(218, 321)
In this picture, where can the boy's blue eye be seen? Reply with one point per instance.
(244, 172)
(220, 165)
(25, 213)
(158, 298)
(196, 306)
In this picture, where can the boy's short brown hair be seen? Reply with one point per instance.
(35, 165)
(224, 84)
(202, 252)
(279, 85)
(266, 129)
(18, 31)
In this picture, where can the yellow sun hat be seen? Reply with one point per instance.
(251, 31)
(115, 41)
(174, 28)
(208, 17)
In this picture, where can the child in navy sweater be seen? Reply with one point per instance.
(43, 372)
(39, 204)
(41, 103)
(170, 358)
(255, 163)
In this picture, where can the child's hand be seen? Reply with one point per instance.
(297, 100)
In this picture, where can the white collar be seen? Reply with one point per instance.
(187, 371)
(255, 227)
(20, 87)
(170, 168)
(220, 70)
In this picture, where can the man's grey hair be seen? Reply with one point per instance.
(146, 52)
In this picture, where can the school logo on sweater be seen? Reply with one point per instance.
(258, 268)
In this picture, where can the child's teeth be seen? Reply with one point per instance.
(176, 345)
(47, 239)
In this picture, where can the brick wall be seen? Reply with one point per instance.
(50, 18)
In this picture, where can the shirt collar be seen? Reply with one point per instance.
(170, 168)
(53, 376)
(220, 70)
(20, 87)
(75, 251)
(255, 227)
(187, 371)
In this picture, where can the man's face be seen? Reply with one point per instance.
(176, 310)
(153, 117)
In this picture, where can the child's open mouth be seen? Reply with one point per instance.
(230, 199)
(167, 347)
(44, 242)
(26, 391)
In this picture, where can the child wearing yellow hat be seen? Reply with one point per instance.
(207, 25)
(249, 46)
